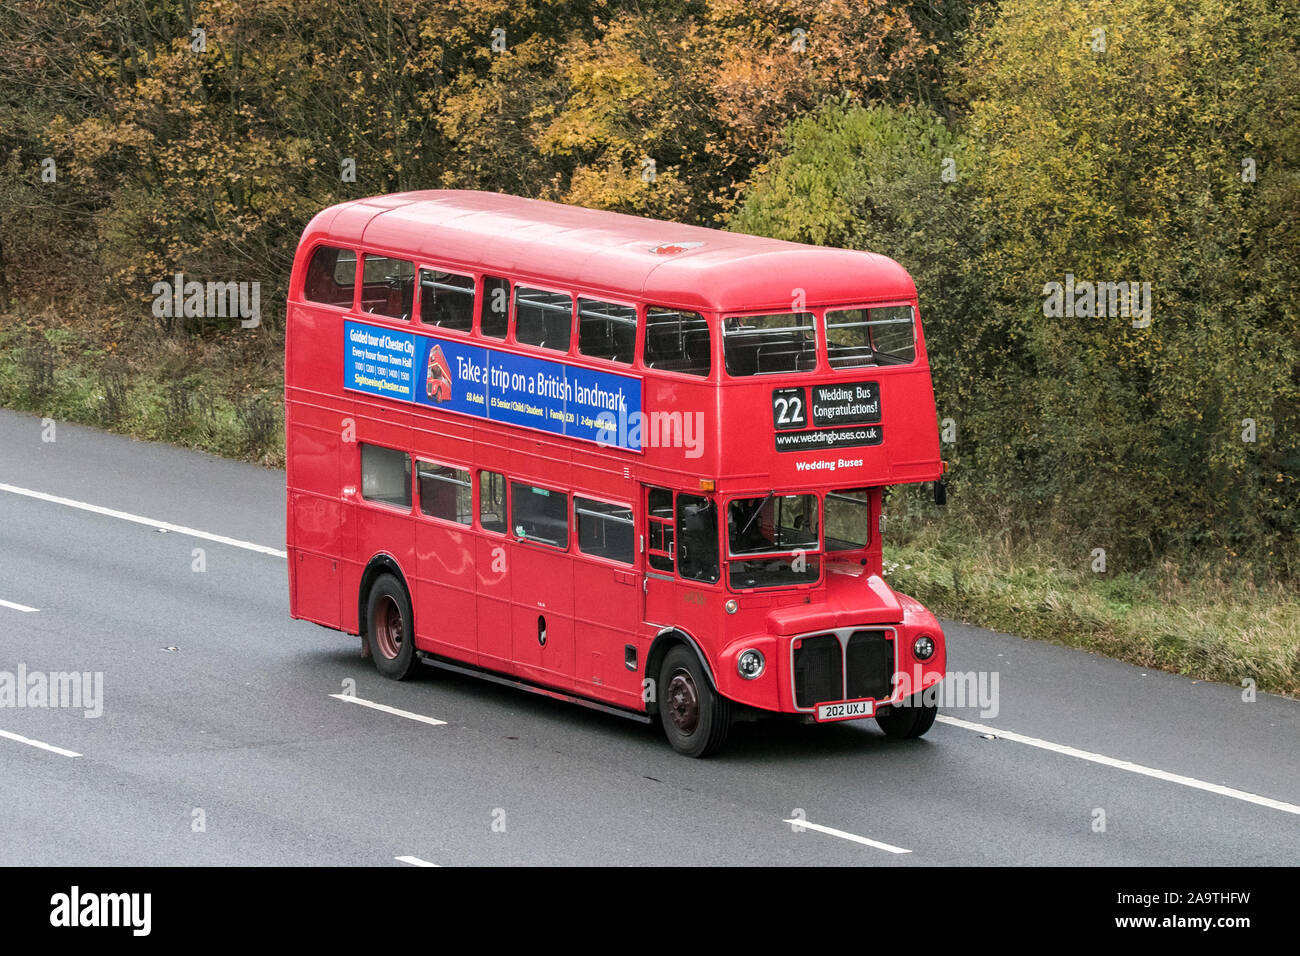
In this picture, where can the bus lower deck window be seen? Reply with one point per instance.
(604, 530)
(444, 492)
(492, 501)
(539, 514)
(386, 475)
(697, 538)
(662, 546)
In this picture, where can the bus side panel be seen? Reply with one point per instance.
(445, 616)
(601, 629)
(312, 457)
(492, 578)
(372, 528)
(541, 589)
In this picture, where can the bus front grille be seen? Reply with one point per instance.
(818, 670)
(869, 665)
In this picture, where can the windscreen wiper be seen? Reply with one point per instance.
(761, 505)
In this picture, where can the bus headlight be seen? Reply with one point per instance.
(923, 647)
(750, 663)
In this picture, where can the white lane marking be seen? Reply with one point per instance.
(19, 607)
(831, 831)
(147, 522)
(413, 860)
(37, 743)
(390, 710)
(1123, 765)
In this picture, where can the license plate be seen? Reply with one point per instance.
(846, 710)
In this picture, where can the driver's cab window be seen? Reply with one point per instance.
(388, 287)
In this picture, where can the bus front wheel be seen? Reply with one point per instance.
(389, 631)
(911, 719)
(695, 717)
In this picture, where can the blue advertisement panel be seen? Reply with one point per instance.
(458, 376)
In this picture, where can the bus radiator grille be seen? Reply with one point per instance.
(870, 665)
(818, 670)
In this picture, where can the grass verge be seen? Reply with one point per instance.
(222, 393)
(1205, 623)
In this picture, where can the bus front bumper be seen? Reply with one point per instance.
(870, 664)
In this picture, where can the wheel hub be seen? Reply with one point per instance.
(387, 625)
(683, 703)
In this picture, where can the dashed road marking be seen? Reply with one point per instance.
(853, 837)
(389, 710)
(19, 738)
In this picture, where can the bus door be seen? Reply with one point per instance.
(607, 609)
(541, 585)
(660, 588)
(682, 560)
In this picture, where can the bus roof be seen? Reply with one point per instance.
(658, 261)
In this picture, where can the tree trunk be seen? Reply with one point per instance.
(4, 281)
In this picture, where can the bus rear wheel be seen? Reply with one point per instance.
(907, 720)
(389, 631)
(695, 717)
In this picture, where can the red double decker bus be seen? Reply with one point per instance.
(629, 463)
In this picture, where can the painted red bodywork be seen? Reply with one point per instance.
(467, 608)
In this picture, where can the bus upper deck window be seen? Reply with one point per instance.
(763, 344)
(446, 300)
(881, 336)
(606, 330)
(677, 340)
(387, 286)
(331, 276)
(494, 315)
(543, 318)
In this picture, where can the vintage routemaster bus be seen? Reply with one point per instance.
(624, 462)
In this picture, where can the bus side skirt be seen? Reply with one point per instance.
(427, 658)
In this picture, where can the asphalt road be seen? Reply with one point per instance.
(219, 741)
